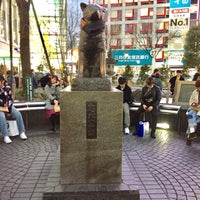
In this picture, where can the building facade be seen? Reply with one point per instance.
(52, 22)
(145, 25)
(4, 34)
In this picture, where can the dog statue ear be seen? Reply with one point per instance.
(83, 6)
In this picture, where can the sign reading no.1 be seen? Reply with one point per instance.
(179, 19)
(182, 23)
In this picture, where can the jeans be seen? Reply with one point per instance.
(193, 118)
(126, 111)
(17, 116)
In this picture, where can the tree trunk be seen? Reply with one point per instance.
(23, 8)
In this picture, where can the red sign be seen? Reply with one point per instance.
(180, 10)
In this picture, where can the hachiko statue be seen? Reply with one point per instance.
(92, 42)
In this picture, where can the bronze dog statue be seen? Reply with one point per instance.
(92, 41)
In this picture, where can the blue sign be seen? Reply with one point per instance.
(179, 3)
(132, 57)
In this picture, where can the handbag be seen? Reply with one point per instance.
(55, 98)
(196, 108)
(56, 108)
(12, 128)
(4, 109)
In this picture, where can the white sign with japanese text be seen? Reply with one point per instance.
(179, 19)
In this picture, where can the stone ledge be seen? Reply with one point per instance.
(126, 190)
(91, 84)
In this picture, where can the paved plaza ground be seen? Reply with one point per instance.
(164, 168)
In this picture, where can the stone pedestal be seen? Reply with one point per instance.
(89, 164)
(91, 137)
(126, 190)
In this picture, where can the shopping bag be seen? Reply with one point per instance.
(146, 127)
(141, 129)
(12, 128)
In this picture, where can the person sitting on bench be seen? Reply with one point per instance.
(150, 99)
(193, 113)
(52, 90)
(7, 102)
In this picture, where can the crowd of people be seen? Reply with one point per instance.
(52, 86)
(150, 100)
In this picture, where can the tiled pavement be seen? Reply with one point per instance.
(164, 168)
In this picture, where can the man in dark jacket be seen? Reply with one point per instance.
(173, 80)
(127, 101)
(150, 99)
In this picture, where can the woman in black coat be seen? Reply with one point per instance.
(150, 99)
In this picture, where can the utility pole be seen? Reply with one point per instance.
(41, 37)
(11, 44)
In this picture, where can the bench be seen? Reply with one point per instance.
(27, 106)
(169, 109)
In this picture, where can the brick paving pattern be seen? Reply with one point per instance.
(164, 168)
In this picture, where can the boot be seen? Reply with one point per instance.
(192, 136)
(188, 140)
(53, 122)
(153, 135)
(58, 121)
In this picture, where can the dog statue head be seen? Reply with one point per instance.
(93, 20)
(92, 12)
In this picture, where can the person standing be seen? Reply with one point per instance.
(7, 101)
(150, 99)
(157, 79)
(34, 79)
(173, 80)
(52, 90)
(127, 101)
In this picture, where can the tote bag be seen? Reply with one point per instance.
(12, 128)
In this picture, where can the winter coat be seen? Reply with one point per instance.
(52, 92)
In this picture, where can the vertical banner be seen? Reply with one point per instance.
(179, 24)
(29, 88)
(179, 16)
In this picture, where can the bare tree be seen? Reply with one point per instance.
(73, 20)
(73, 23)
(23, 8)
(150, 43)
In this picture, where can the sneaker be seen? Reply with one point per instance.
(7, 140)
(127, 131)
(23, 136)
